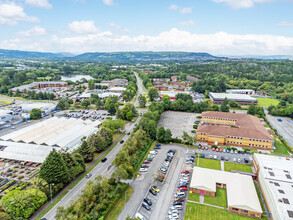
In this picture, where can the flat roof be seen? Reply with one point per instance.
(239, 90)
(55, 132)
(117, 88)
(229, 96)
(240, 188)
(276, 178)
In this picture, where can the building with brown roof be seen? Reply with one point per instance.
(224, 128)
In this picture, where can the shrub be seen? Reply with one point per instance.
(195, 126)
(198, 116)
(193, 131)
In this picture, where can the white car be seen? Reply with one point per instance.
(234, 159)
(166, 163)
(143, 170)
(153, 152)
(185, 174)
(173, 211)
(215, 157)
(239, 160)
(236, 152)
(174, 216)
(224, 150)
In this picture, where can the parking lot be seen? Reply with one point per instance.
(88, 114)
(284, 127)
(178, 122)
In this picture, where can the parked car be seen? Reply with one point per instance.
(228, 151)
(179, 198)
(153, 192)
(147, 201)
(226, 158)
(234, 159)
(146, 161)
(143, 170)
(246, 160)
(146, 206)
(202, 147)
(213, 149)
(207, 147)
(224, 150)
(185, 171)
(104, 160)
(182, 188)
(239, 160)
(145, 166)
(202, 155)
(222, 158)
(279, 120)
(199, 147)
(156, 188)
(177, 203)
(220, 150)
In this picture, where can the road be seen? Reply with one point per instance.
(100, 169)
(284, 127)
(139, 89)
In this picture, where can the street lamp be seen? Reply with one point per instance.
(51, 184)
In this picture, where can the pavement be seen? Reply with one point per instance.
(164, 199)
(139, 89)
(284, 128)
(104, 169)
(178, 122)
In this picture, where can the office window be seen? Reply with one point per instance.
(281, 191)
(245, 211)
(290, 213)
(286, 201)
(234, 209)
(288, 176)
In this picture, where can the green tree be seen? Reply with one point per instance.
(168, 135)
(70, 101)
(111, 109)
(224, 107)
(166, 102)
(54, 169)
(234, 104)
(161, 134)
(153, 93)
(85, 103)
(142, 101)
(35, 113)
(129, 115)
(118, 174)
(86, 152)
(252, 109)
(62, 104)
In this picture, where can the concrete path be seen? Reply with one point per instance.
(222, 166)
(201, 198)
(215, 206)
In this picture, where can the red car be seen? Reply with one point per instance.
(221, 150)
(146, 161)
(182, 188)
(202, 148)
(185, 171)
(213, 149)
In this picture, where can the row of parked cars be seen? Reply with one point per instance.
(215, 157)
(223, 150)
(144, 167)
(180, 195)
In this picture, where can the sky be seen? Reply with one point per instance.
(218, 27)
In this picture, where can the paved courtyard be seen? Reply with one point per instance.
(178, 122)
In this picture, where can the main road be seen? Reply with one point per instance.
(139, 89)
(103, 169)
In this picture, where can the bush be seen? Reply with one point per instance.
(195, 126)
(193, 131)
(198, 116)
(215, 146)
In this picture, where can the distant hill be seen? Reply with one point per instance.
(111, 57)
(144, 56)
(28, 54)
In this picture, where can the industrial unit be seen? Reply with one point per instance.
(241, 99)
(225, 128)
(241, 194)
(275, 175)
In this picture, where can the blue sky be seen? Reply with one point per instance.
(226, 27)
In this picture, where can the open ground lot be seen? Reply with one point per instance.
(198, 212)
(178, 122)
(208, 163)
(284, 127)
(236, 166)
(219, 200)
(266, 102)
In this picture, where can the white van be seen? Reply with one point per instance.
(140, 216)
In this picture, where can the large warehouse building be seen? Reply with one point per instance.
(241, 99)
(225, 128)
(241, 194)
(275, 177)
(41, 137)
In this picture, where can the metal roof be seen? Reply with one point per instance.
(235, 97)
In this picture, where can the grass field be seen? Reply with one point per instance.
(120, 204)
(236, 166)
(193, 197)
(195, 211)
(266, 102)
(208, 163)
(219, 200)
(281, 149)
(5, 102)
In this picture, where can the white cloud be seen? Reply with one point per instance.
(108, 2)
(187, 23)
(11, 13)
(236, 4)
(172, 40)
(173, 7)
(83, 27)
(119, 29)
(35, 31)
(285, 24)
(185, 10)
(39, 3)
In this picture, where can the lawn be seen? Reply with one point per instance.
(199, 212)
(5, 102)
(281, 149)
(258, 195)
(236, 166)
(120, 204)
(219, 200)
(209, 163)
(266, 102)
(193, 197)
